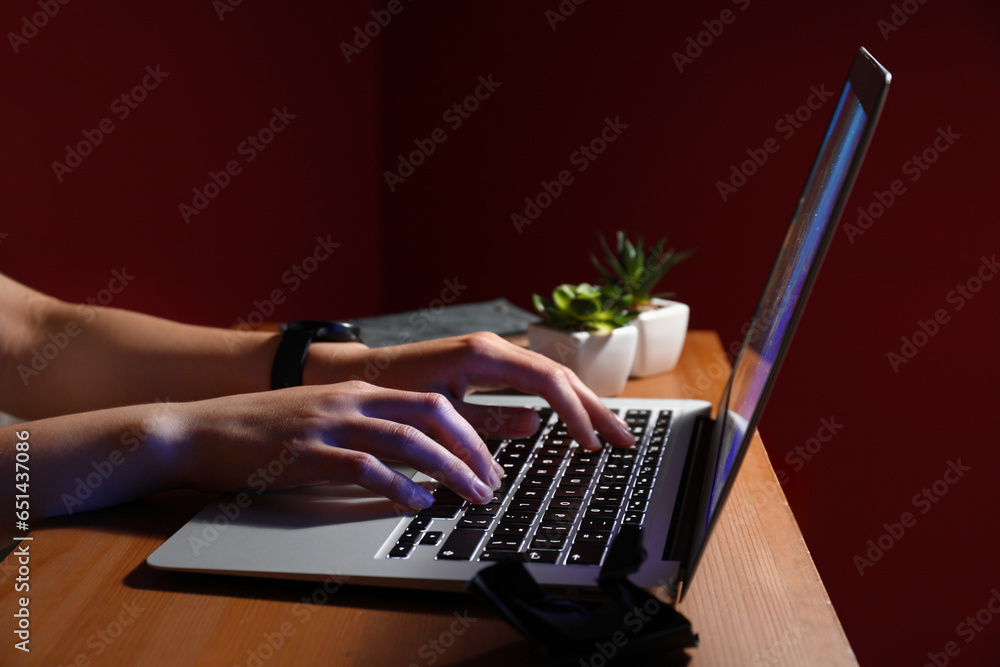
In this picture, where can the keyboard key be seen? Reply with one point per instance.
(401, 550)
(474, 521)
(565, 503)
(445, 496)
(559, 516)
(548, 529)
(419, 523)
(482, 510)
(543, 471)
(409, 536)
(439, 512)
(633, 518)
(581, 469)
(510, 530)
(601, 512)
(536, 483)
(640, 492)
(598, 536)
(585, 553)
(607, 489)
(645, 481)
(553, 542)
(540, 556)
(607, 501)
(530, 493)
(575, 480)
(461, 544)
(597, 523)
(517, 516)
(637, 504)
(504, 544)
(525, 505)
(432, 538)
(571, 492)
(548, 461)
(501, 555)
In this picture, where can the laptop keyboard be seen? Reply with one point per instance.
(558, 503)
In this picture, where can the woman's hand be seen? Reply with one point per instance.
(311, 435)
(454, 366)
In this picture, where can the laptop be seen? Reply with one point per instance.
(560, 507)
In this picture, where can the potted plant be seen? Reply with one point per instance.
(661, 323)
(587, 329)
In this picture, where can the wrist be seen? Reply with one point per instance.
(328, 363)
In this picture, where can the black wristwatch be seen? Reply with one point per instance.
(296, 337)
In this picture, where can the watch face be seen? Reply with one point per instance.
(326, 331)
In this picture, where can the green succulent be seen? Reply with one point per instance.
(637, 272)
(585, 307)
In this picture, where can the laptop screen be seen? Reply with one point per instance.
(791, 278)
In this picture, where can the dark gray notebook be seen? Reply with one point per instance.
(499, 316)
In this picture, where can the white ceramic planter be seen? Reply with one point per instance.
(661, 337)
(602, 362)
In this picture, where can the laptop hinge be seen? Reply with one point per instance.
(682, 524)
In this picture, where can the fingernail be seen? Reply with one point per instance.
(499, 474)
(483, 491)
(422, 498)
(624, 428)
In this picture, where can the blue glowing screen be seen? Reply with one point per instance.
(770, 327)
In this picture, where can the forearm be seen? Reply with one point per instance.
(76, 463)
(81, 358)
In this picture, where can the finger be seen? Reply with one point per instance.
(364, 469)
(576, 404)
(407, 444)
(435, 415)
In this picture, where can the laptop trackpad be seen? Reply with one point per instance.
(325, 504)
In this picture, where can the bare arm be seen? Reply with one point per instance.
(216, 426)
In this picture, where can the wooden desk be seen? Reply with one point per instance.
(757, 598)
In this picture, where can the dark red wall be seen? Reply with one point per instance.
(120, 206)
(451, 217)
